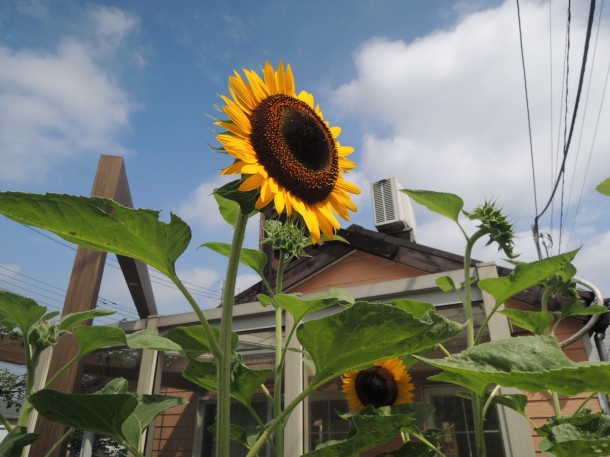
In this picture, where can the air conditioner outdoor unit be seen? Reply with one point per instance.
(391, 208)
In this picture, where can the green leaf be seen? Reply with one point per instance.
(97, 337)
(149, 339)
(13, 443)
(299, 308)
(446, 284)
(530, 363)
(193, 340)
(368, 332)
(244, 381)
(576, 308)
(229, 209)
(341, 295)
(245, 200)
(524, 276)
(416, 308)
(582, 436)
(516, 402)
(147, 409)
(249, 257)
(103, 224)
(604, 187)
(448, 205)
(368, 429)
(103, 414)
(67, 322)
(20, 312)
(265, 300)
(533, 321)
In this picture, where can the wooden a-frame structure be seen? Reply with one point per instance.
(83, 290)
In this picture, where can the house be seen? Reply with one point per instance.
(373, 266)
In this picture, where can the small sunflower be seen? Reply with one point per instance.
(386, 383)
(285, 148)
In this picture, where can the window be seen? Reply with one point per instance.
(454, 414)
(239, 416)
(324, 421)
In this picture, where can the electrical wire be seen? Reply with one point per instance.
(527, 105)
(574, 112)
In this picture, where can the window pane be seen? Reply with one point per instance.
(454, 415)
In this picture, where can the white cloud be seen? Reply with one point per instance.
(56, 105)
(447, 112)
(200, 208)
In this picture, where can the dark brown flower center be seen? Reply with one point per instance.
(295, 146)
(376, 386)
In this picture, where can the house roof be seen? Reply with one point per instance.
(390, 247)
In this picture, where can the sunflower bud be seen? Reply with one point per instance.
(44, 334)
(286, 237)
(495, 224)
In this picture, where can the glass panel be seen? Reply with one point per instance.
(324, 421)
(454, 415)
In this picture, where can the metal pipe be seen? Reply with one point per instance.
(589, 325)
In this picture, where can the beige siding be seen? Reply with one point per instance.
(356, 269)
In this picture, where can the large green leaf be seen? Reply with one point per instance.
(368, 429)
(586, 435)
(249, 257)
(18, 311)
(103, 414)
(445, 204)
(244, 381)
(103, 224)
(531, 363)
(524, 276)
(13, 443)
(97, 337)
(299, 308)
(67, 322)
(194, 341)
(147, 409)
(368, 332)
(148, 339)
(604, 187)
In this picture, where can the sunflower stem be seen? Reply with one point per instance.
(223, 418)
(467, 286)
(279, 359)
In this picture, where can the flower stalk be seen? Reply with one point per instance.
(223, 418)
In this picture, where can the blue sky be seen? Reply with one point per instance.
(430, 92)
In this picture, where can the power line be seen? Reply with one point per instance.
(575, 111)
(527, 105)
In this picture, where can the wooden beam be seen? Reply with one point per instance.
(83, 291)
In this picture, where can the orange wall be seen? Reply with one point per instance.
(174, 429)
(356, 269)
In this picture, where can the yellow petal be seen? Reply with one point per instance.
(270, 78)
(233, 169)
(306, 97)
(335, 131)
(289, 82)
(280, 202)
(251, 183)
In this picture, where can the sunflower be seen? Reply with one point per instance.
(284, 148)
(386, 383)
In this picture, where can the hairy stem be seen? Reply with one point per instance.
(223, 418)
(279, 359)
